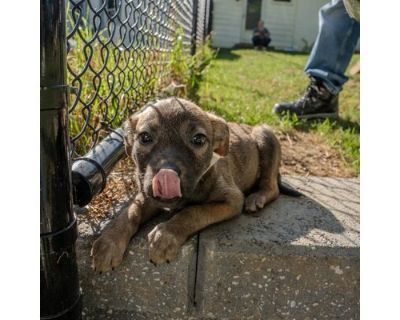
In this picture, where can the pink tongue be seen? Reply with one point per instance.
(166, 184)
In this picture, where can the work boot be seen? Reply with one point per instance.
(317, 102)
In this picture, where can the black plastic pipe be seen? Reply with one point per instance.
(89, 173)
(60, 296)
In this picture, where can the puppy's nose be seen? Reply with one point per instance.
(171, 166)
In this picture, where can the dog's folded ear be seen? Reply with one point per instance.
(220, 135)
(129, 130)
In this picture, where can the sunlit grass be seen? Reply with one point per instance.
(243, 85)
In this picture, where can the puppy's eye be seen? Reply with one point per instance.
(199, 140)
(145, 138)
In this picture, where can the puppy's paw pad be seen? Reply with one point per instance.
(106, 254)
(164, 245)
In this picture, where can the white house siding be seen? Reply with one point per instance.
(289, 23)
(306, 22)
(227, 22)
(279, 18)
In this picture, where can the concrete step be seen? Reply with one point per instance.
(299, 259)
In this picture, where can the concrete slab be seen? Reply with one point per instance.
(298, 260)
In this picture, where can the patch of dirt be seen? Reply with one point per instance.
(306, 154)
(302, 154)
(121, 183)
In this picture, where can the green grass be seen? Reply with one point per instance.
(243, 85)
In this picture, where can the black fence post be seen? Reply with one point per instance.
(60, 296)
(205, 19)
(194, 27)
(210, 16)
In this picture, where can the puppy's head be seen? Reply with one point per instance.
(172, 143)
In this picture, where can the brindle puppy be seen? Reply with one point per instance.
(195, 164)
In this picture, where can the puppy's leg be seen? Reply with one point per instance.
(109, 248)
(270, 157)
(166, 238)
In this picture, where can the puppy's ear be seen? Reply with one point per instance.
(220, 135)
(129, 130)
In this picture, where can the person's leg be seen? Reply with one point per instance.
(266, 42)
(256, 41)
(331, 54)
(336, 41)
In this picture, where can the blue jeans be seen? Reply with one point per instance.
(336, 41)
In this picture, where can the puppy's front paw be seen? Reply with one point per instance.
(255, 201)
(164, 244)
(107, 253)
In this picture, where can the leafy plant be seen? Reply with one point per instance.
(189, 69)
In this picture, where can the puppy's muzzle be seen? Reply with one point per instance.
(167, 185)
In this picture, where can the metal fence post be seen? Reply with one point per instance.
(194, 27)
(60, 296)
(210, 8)
(205, 19)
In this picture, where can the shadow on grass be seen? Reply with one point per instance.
(227, 54)
(340, 123)
(230, 54)
(348, 124)
(290, 53)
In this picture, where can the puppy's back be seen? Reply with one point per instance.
(243, 156)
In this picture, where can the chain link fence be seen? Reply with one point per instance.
(119, 56)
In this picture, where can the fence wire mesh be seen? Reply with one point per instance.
(118, 57)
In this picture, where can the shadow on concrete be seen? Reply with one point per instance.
(316, 218)
(281, 223)
(329, 207)
(324, 221)
(90, 227)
